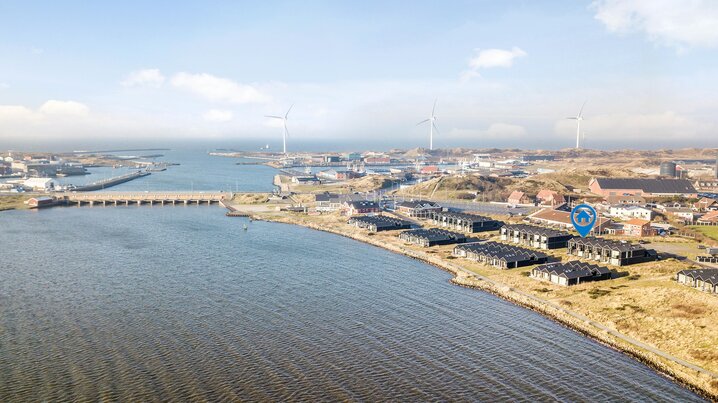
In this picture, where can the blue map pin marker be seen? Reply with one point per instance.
(583, 218)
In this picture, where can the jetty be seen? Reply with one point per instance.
(107, 183)
(151, 198)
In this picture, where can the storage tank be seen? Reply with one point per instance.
(668, 169)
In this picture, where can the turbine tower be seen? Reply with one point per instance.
(432, 125)
(286, 132)
(578, 118)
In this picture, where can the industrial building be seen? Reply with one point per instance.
(431, 237)
(500, 255)
(379, 223)
(570, 273)
(668, 169)
(465, 222)
(617, 253)
(701, 279)
(535, 237)
(642, 187)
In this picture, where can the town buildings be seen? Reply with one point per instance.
(379, 223)
(360, 207)
(499, 255)
(642, 187)
(431, 237)
(465, 222)
(535, 237)
(570, 273)
(419, 208)
(701, 279)
(617, 253)
(562, 219)
(628, 211)
(546, 197)
(517, 198)
(637, 228)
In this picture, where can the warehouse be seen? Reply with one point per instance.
(570, 273)
(379, 223)
(701, 279)
(535, 237)
(431, 237)
(500, 255)
(642, 187)
(617, 253)
(465, 222)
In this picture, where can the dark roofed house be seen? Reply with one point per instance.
(432, 236)
(419, 208)
(379, 223)
(535, 237)
(701, 279)
(642, 187)
(465, 222)
(324, 201)
(360, 207)
(500, 255)
(570, 273)
(618, 253)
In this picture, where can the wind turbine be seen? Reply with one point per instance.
(578, 118)
(432, 125)
(286, 132)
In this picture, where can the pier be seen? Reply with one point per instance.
(151, 198)
(106, 183)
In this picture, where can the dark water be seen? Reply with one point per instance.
(179, 303)
(197, 171)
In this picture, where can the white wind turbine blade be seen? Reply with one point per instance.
(289, 110)
(580, 111)
(273, 117)
(423, 121)
(433, 110)
(436, 128)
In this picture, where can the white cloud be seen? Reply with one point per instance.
(144, 78)
(217, 115)
(64, 108)
(676, 23)
(491, 58)
(218, 89)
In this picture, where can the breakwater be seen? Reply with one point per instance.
(110, 182)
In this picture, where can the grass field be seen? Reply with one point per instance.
(711, 231)
(13, 202)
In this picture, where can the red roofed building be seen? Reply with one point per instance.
(429, 169)
(551, 198)
(518, 197)
(637, 227)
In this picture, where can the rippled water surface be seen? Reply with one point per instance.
(179, 303)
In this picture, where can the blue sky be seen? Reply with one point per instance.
(505, 74)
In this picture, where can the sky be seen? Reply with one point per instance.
(503, 74)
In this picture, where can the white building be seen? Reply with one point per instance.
(40, 184)
(626, 211)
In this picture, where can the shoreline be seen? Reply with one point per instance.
(691, 377)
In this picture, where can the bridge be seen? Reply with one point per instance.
(151, 198)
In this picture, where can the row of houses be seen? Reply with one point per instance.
(379, 223)
(535, 237)
(570, 273)
(617, 253)
(465, 222)
(499, 255)
(431, 237)
(701, 279)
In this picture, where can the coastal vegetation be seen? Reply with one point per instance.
(711, 231)
(13, 202)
